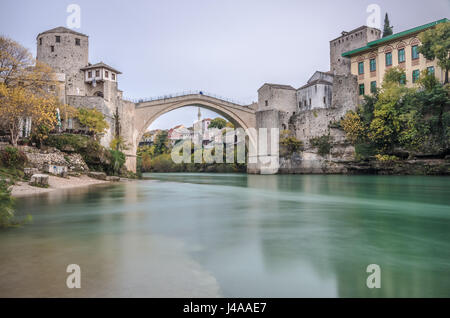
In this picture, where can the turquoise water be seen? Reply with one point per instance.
(207, 235)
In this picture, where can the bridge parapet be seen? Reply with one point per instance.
(186, 93)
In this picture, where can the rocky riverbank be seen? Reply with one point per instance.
(22, 188)
(310, 163)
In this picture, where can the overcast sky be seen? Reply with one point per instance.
(226, 47)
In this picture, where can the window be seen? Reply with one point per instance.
(373, 87)
(40, 41)
(389, 59)
(52, 48)
(310, 102)
(361, 89)
(361, 68)
(415, 75)
(58, 39)
(430, 70)
(415, 52)
(266, 103)
(401, 55)
(97, 73)
(373, 65)
(113, 76)
(403, 79)
(299, 104)
(89, 74)
(106, 74)
(304, 103)
(77, 42)
(324, 100)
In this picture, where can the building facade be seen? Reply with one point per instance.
(371, 61)
(80, 83)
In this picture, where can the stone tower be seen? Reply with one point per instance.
(349, 41)
(67, 52)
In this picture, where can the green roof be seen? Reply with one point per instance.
(370, 45)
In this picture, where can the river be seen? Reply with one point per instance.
(234, 235)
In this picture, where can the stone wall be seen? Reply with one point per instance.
(279, 97)
(67, 57)
(346, 42)
(41, 159)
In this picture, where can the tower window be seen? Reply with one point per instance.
(52, 48)
(40, 41)
(373, 65)
(415, 52)
(89, 74)
(77, 41)
(361, 89)
(113, 76)
(401, 55)
(373, 87)
(97, 73)
(324, 100)
(266, 103)
(415, 75)
(58, 39)
(389, 59)
(106, 74)
(361, 68)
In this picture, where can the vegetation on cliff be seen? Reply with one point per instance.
(402, 121)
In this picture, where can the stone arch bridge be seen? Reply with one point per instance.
(142, 114)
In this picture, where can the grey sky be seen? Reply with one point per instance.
(227, 47)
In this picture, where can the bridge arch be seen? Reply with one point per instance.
(145, 113)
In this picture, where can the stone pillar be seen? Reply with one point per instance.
(264, 158)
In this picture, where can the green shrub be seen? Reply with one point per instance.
(11, 157)
(6, 204)
(118, 160)
(323, 144)
(364, 151)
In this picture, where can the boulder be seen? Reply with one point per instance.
(39, 180)
(28, 172)
(113, 178)
(97, 175)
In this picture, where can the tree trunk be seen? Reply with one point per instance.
(14, 137)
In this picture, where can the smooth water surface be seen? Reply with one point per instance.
(232, 235)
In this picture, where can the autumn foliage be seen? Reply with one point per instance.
(27, 90)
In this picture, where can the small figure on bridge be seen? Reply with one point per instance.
(201, 93)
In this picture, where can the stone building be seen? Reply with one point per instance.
(371, 61)
(351, 40)
(80, 83)
(317, 92)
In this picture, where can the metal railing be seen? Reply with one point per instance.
(185, 93)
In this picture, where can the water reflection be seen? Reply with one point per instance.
(235, 235)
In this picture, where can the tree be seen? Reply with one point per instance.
(93, 120)
(395, 75)
(161, 143)
(387, 29)
(6, 204)
(25, 90)
(436, 44)
(218, 123)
